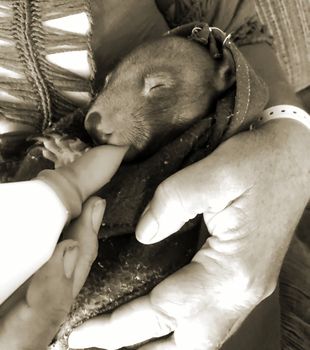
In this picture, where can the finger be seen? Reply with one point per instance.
(85, 175)
(38, 315)
(161, 344)
(180, 295)
(204, 187)
(51, 143)
(84, 230)
(78, 145)
(232, 222)
(54, 281)
(131, 324)
(193, 334)
(94, 169)
(49, 155)
(51, 291)
(207, 330)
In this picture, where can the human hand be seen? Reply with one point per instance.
(30, 318)
(67, 189)
(251, 191)
(86, 174)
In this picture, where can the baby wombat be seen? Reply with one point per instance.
(156, 92)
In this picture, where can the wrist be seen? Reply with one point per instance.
(291, 139)
(284, 111)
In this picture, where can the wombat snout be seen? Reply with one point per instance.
(99, 128)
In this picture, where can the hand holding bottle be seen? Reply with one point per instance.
(37, 309)
(33, 213)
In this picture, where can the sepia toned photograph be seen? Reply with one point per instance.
(154, 175)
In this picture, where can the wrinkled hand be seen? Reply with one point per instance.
(251, 191)
(31, 317)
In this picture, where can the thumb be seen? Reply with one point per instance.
(84, 230)
(207, 187)
(38, 313)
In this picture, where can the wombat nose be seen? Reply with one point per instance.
(99, 128)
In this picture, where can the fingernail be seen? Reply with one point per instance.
(97, 214)
(70, 260)
(147, 228)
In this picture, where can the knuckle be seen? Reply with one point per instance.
(164, 191)
(257, 293)
(267, 290)
(163, 325)
(170, 193)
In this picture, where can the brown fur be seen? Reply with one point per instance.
(156, 92)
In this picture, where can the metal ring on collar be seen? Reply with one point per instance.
(227, 37)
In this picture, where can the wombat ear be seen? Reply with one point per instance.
(225, 75)
(155, 81)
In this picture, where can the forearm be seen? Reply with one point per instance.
(263, 59)
(294, 140)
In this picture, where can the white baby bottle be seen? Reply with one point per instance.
(34, 213)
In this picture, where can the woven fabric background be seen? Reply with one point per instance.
(289, 23)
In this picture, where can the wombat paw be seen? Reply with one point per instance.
(61, 150)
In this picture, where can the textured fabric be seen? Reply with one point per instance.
(295, 290)
(228, 15)
(232, 16)
(289, 23)
(33, 89)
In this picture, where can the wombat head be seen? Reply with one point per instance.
(156, 92)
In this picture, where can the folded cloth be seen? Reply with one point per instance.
(125, 268)
(288, 22)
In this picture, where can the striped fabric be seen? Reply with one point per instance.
(289, 23)
(46, 66)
